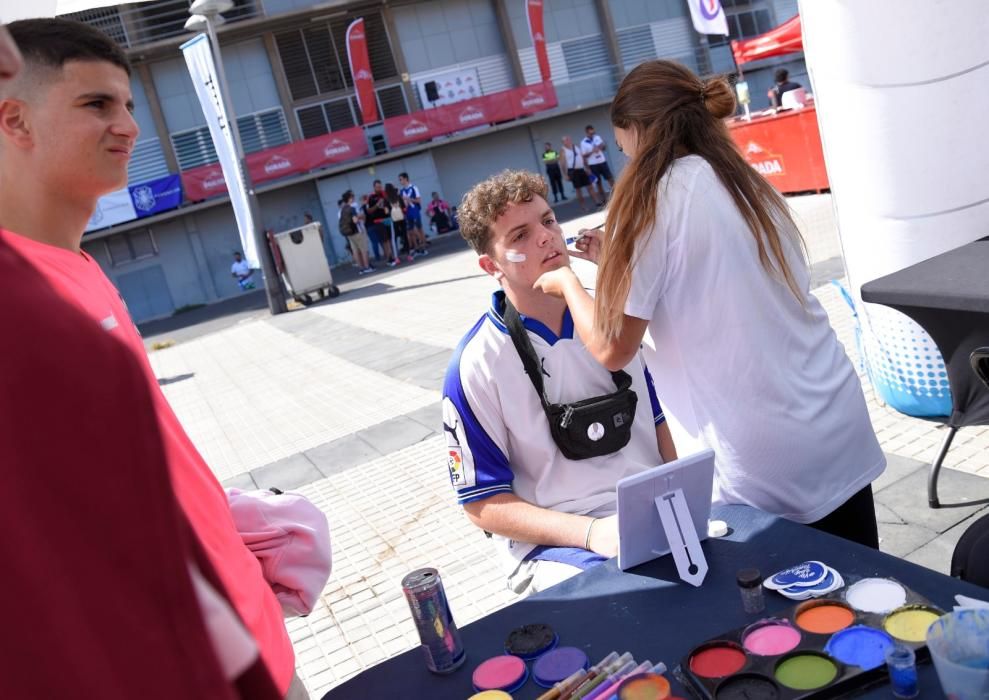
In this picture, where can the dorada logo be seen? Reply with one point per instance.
(533, 99)
(357, 34)
(213, 180)
(336, 147)
(472, 114)
(538, 37)
(414, 128)
(364, 74)
(144, 198)
(766, 164)
(535, 3)
(277, 164)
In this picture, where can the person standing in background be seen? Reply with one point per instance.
(783, 84)
(577, 173)
(413, 215)
(592, 147)
(551, 159)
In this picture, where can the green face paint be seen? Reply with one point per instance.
(806, 672)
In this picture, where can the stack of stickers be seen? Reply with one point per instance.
(812, 579)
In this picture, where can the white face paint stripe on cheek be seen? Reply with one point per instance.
(514, 256)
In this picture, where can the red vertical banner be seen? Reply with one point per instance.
(360, 71)
(534, 11)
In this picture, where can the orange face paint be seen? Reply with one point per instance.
(825, 618)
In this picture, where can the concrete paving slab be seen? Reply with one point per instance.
(897, 468)
(244, 482)
(339, 455)
(907, 498)
(428, 416)
(395, 434)
(287, 474)
(427, 372)
(936, 554)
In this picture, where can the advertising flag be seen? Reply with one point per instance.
(534, 12)
(360, 71)
(708, 16)
(199, 59)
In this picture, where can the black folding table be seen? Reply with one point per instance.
(947, 295)
(652, 614)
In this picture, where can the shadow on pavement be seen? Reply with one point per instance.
(229, 312)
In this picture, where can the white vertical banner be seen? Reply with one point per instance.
(199, 59)
(708, 16)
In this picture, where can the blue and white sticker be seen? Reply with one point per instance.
(810, 573)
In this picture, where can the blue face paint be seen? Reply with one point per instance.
(860, 646)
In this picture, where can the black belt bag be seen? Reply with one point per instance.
(589, 428)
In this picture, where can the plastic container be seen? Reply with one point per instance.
(902, 665)
(959, 646)
(750, 586)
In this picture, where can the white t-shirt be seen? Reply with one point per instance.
(241, 268)
(498, 437)
(574, 158)
(587, 145)
(744, 368)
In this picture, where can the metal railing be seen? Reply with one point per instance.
(132, 25)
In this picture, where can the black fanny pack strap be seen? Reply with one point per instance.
(520, 338)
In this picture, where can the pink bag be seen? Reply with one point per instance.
(291, 539)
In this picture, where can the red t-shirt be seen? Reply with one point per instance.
(78, 279)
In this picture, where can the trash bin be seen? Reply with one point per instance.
(304, 269)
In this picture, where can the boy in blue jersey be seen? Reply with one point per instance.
(552, 516)
(413, 215)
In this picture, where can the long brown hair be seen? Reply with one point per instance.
(672, 112)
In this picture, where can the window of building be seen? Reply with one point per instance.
(130, 247)
(746, 19)
(343, 113)
(586, 56)
(258, 131)
(315, 57)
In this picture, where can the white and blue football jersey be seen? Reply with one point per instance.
(498, 437)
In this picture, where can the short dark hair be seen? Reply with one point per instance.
(589, 126)
(346, 196)
(404, 175)
(376, 182)
(53, 42)
(781, 75)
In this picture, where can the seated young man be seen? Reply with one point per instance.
(551, 515)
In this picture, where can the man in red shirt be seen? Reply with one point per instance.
(66, 135)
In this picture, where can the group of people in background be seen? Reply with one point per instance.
(585, 165)
(388, 223)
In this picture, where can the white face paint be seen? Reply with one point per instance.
(514, 256)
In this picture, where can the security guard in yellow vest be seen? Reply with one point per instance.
(551, 159)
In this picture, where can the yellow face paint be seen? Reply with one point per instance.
(910, 623)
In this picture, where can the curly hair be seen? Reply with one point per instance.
(489, 199)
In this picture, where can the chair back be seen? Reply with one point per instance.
(980, 364)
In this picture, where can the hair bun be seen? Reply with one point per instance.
(719, 98)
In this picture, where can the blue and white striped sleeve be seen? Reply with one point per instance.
(474, 429)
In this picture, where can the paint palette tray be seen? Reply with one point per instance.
(819, 648)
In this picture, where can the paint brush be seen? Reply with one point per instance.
(597, 676)
(576, 678)
(582, 234)
(601, 685)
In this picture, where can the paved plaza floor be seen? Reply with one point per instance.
(340, 401)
